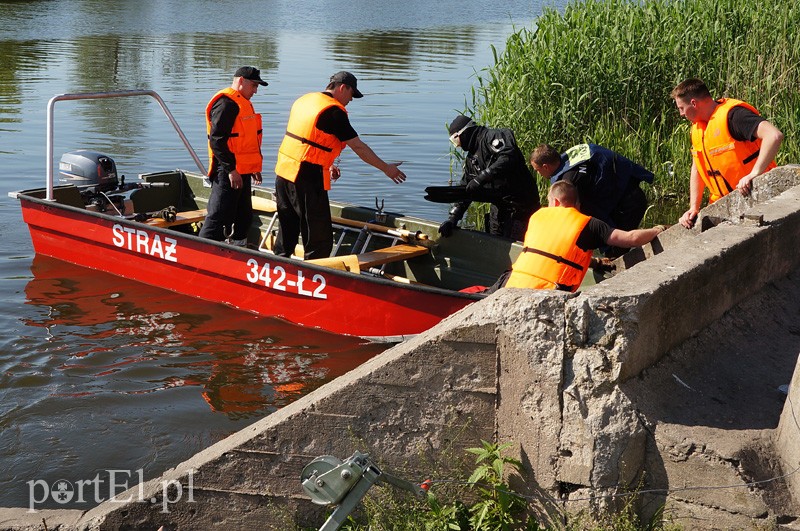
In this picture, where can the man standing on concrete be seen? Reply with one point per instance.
(560, 240)
(234, 152)
(317, 132)
(731, 144)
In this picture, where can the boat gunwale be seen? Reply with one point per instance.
(23, 195)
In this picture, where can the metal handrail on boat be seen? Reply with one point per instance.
(104, 95)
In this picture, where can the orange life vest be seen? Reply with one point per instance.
(720, 159)
(245, 139)
(304, 142)
(551, 259)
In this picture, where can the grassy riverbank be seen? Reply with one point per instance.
(601, 71)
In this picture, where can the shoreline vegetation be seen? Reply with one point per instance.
(601, 72)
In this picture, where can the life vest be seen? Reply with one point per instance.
(304, 142)
(245, 139)
(720, 159)
(551, 258)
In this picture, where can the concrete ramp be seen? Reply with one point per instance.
(711, 406)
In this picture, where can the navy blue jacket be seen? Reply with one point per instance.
(601, 177)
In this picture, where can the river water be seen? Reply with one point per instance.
(98, 373)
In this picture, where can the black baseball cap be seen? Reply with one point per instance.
(252, 73)
(348, 79)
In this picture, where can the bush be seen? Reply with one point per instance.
(601, 71)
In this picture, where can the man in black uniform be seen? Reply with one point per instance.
(607, 182)
(494, 172)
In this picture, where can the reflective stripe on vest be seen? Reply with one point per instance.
(552, 259)
(245, 138)
(722, 161)
(304, 142)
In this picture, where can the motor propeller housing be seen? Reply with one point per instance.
(86, 168)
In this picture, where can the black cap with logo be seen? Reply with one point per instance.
(348, 79)
(252, 73)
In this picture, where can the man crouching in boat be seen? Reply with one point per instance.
(234, 152)
(317, 132)
(494, 172)
(559, 243)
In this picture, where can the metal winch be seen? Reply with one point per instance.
(329, 481)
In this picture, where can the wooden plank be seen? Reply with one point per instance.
(389, 255)
(347, 262)
(262, 204)
(181, 218)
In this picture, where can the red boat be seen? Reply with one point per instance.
(390, 277)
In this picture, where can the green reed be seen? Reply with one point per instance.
(601, 71)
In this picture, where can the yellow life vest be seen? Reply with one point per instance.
(721, 160)
(245, 139)
(551, 258)
(304, 142)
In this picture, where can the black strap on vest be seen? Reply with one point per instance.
(559, 259)
(309, 142)
(232, 135)
(752, 157)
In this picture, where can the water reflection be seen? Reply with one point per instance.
(402, 51)
(114, 374)
(107, 334)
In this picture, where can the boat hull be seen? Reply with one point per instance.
(308, 295)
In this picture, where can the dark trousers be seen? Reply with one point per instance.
(230, 212)
(303, 210)
(630, 209)
(509, 222)
(627, 215)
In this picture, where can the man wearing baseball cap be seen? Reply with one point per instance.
(234, 153)
(317, 132)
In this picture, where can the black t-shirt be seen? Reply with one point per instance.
(222, 116)
(594, 235)
(334, 121)
(743, 123)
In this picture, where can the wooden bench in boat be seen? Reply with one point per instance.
(356, 262)
(370, 259)
(388, 255)
(181, 218)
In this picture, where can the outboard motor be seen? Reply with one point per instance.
(95, 175)
(86, 168)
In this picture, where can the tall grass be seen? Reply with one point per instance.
(601, 71)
